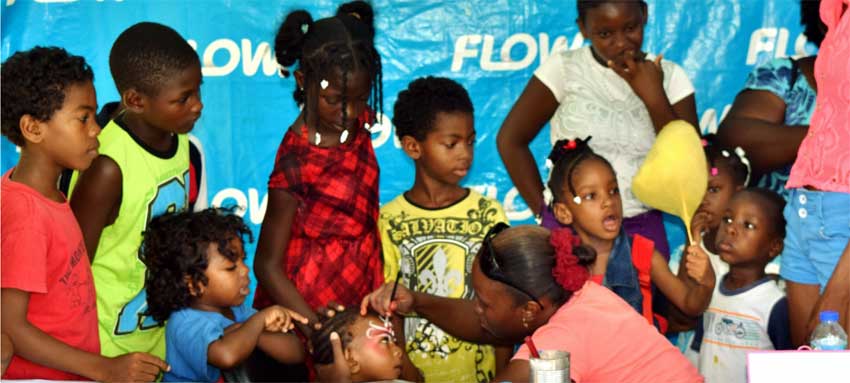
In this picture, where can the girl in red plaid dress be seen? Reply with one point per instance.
(319, 241)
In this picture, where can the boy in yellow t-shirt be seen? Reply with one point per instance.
(433, 231)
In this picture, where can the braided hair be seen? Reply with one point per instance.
(341, 44)
(565, 157)
(732, 160)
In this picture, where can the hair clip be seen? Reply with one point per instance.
(324, 84)
(714, 171)
(570, 145)
(304, 28)
(577, 200)
(744, 160)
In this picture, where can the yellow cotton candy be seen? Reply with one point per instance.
(674, 176)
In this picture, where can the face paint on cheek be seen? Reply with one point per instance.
(378, 331)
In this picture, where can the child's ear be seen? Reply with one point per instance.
(581, 28)
(412, 147)
(32, 129)
(133, 100)
(195, 289)
(353, 364)
(562, 213)
(776, 247)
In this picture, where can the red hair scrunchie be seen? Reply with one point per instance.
(567, 271)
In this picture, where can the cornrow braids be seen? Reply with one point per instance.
(565, 157)
(331, 46)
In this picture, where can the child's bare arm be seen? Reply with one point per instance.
(690, 293)
(96, 200)
(37, 346)
(238, 342)
(270, 256)
(285, 348)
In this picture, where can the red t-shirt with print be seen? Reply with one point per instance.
(43, 253)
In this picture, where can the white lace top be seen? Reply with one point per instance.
(595, 101)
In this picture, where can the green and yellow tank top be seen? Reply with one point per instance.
(152, 183)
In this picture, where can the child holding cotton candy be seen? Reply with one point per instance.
(583, 193)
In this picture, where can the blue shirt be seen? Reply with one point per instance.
(786, 81)
(188, 334)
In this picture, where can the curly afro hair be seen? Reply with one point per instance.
(175, 246)
(146, 55)
(417, 106)
(34, 82)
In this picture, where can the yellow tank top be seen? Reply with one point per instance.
(152, 184)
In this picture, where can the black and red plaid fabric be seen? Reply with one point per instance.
(334, 252)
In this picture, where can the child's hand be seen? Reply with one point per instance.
(277, 318)
(338, 370)
(699, 267)
(327, 311)
(379, 300)
(699, 225)
(133, 367)
(643, 76)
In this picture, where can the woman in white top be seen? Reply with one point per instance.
(609, 90)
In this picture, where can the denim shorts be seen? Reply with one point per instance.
(817, 231)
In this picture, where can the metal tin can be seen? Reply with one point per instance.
(553, 366)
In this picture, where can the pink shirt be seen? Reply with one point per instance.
(43, 254)
(609, 341)
(823, 160)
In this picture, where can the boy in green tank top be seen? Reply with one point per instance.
(142, 171)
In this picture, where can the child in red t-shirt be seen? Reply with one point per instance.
(48, 299)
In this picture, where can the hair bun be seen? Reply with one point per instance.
(360, 10)
(562, 147)
(289, 41)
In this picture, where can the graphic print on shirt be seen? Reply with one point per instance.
(436, 258)
(171, 195)
(732, 329)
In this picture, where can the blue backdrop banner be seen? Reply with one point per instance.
(490, 46)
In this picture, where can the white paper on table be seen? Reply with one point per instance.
(798, 366)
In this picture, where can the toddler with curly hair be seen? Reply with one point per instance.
(197, 280)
